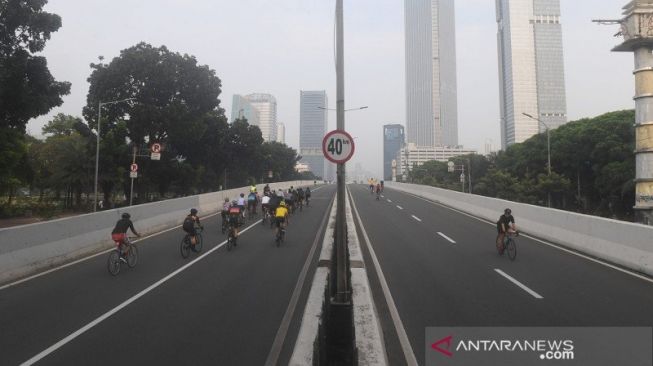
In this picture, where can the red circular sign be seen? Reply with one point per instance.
(134, 167)
(156, 147)
(338, 146)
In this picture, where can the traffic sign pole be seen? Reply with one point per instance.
(131, 191)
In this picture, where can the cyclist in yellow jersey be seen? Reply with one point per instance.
(281, 216)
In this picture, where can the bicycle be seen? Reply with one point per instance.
(129, 256)
(225, 221)
(186, 245)
(232, 240)
(281, 233)
(301, 204)
(266, 215)
(509, 245)
(251, 211)
(378, 195)
(308, 198)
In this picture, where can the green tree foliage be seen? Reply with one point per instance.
(27, 89)
(593, 168)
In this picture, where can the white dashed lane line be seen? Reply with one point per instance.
(390, 201)
(399, 207)
(416, 218)
(519, 284)
(448, 238)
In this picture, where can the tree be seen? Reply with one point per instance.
(27, 89)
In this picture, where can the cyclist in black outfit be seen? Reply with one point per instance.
(119, 233)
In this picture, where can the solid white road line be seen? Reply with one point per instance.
(521, 285)
(392, 308)
(92, 256)
(446, 237)
(275, 351)
(416, 218)
(109, 313)
(556, 246)
(399, 207)
(390, 201)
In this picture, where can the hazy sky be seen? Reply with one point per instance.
(283, 46)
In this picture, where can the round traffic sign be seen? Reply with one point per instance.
(338, 146)
(156, 147)
(134, 167)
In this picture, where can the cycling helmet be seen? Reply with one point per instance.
(193, 211)
(507, 211)
(282, 203)
(226, 199)
(242, 195)
(126, 215)
(252, 189)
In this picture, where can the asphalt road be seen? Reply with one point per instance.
(225, 308)
(436, 282)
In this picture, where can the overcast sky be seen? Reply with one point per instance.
(283, 46)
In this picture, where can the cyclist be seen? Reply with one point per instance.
(275, 200)
(234, 216)
(300, 196)
(241, 203)
(225, 212)
(291, 199)
(378, 190)
(382, 186)
(266, 189)
(189, 227)
(252, 201)
(265, 203)
(119, 233)
(307, 193)
(281, 217)
(505, 225)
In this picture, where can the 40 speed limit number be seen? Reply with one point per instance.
(338, 146)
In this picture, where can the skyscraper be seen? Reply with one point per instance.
(266, 105)
(312, 128)
(281, 133)
(393, 141)
(431, 91)
(242, 108)
(531, 68)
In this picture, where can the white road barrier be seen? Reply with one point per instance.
(623, 243)
(28, 249)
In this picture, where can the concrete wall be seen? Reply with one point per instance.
(31, 248)
(623, 243)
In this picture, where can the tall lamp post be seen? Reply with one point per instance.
(548, 146)
(97, 145)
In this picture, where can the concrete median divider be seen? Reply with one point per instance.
(622, 243)
(369, 340)
(28, 249)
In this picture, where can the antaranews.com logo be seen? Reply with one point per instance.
(545, 349)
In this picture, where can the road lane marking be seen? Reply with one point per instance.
(446, 237)
(279, 339)
(390, 201)
(124, 304)
(416, 218)
(399, 207)
(519, 284)
(392, 308)
(555, 246)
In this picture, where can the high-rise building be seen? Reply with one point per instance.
(281, 133)
(266, 105)
(431, 91)
(531, 68)
(242, 108)
(393, 141)
(312, 128)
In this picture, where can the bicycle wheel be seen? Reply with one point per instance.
(278, 239)
(132, 256)
(199, 242)
(512, 249)
(113, 263)
(184, 246)
(230, 241)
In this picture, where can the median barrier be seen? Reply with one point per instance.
(623, 243)
(28, 249)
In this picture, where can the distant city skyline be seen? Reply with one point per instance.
(287, 45)
(431, 87)
(531, 68)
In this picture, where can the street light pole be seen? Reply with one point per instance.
(97, 144)
(548, 147)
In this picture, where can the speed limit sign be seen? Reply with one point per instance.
(338, 146)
